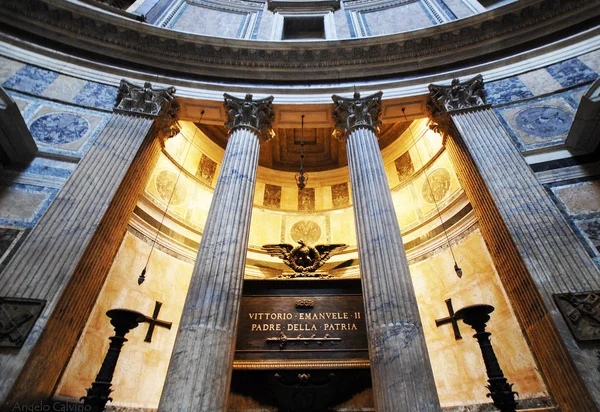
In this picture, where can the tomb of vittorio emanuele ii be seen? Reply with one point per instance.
(285, 205)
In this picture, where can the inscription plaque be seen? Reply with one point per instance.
(317, 327)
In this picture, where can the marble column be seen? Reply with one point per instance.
(536, 253)
(66, 257)
(199, 374)
(400, 366)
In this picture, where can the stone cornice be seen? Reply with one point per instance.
(159, 49)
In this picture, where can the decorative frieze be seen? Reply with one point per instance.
(116, 37)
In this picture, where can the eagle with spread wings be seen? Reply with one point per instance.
(304, 258)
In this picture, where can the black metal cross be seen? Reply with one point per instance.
(450, 319)
(154, 321)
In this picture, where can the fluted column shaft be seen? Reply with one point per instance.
(539, 255)
(67, 256)
(199, 374)
(400, 366)
(534, 250)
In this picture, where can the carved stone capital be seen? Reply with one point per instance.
(145, 100)
(353, 112)
(167, 125)
(444, 100)
(441, 123)
(248, 113)
(456, 96)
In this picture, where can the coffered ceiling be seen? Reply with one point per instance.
(321, 150)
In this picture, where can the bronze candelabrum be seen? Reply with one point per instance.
(501, 391)
(123, 321)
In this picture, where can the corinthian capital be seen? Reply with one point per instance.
(353, 112)
(145, 100)
(458, 96)
(253, 114)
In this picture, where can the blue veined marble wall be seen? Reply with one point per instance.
(59, 129)
(31, 80)
(538, 107)
(539, 122)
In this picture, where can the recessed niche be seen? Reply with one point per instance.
(303, 28)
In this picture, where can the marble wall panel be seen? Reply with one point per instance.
(64, 129)
(342, 25)
(264, 29)
(17, 76)
(580, 204)
(591, 60)
(22, 103)
(538, 123)
(31, 79)
(8, 68)
(404, 17)
(571, 72)
(506, 90)
(579, 198)
(259, 17)
(97, 95)
(265, 227)
(458, 8)
(539, 82)
(23, 205)
(64, 88)
(208, 21)
(574, 96)
(404, 203)
(342, 226)
(590, 227)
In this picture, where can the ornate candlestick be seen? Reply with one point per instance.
(123, 320)
(501, 391)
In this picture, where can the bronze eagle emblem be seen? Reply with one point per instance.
(304, 258)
